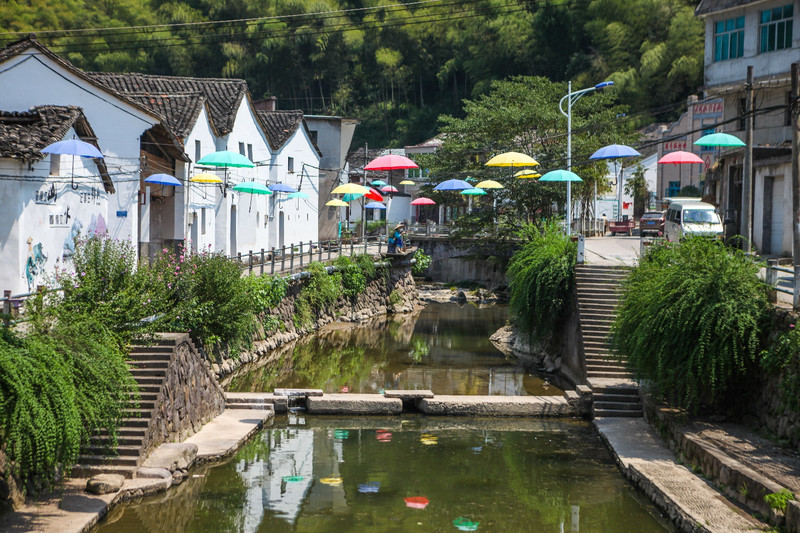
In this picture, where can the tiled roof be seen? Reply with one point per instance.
(179, 110)
(23, 134)
(280, 125)
(711, 6)
(223, 96)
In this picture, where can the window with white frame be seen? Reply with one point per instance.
(776, 28)
(729, 39)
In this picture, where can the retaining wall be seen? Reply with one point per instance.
(451, 263)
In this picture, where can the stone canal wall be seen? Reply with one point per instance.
(394, 292)
(456, 262)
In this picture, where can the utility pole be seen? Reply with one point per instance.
(794, 109)
(747, 174)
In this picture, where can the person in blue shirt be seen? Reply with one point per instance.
(396, 240)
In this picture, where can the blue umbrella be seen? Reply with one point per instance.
(298, 194)
(613, 151)
(163, 179)
(72, 147)
(281, 187)
(560, 175)
(374, 205)
(452, 185)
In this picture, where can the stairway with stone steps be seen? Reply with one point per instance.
(614, 391)
(148, 366)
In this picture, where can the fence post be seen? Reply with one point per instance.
(330, 245)
(262, 261)
(310, 251)
(772, 274)
(250, 261)
(301, 253)
(351, 247)
(380, 242)
(319, 246)
(7, 308)
(239, 258)
(283, 259)
(272, 260)
(291, 258)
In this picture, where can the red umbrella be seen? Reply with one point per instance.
(390, 162)
(374, 195)
(417, 502)
(680, 157)
(423, 201)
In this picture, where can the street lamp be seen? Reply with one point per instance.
(571, 98)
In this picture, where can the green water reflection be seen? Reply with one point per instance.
(444, 348)
(327, 474)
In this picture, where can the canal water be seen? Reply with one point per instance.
(410, 473)
(444, 348)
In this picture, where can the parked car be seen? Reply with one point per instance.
(652, 223)
(692, 218)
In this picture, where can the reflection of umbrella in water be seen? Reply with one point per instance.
(428, 439)
(292, 479)
(73, 147)
(416, 502)
(383, 435)
(333, 481)
(341, 434)
(371, 487)
(465, 524)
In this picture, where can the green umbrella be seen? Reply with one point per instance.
(253, 187)
(349, 197)
(560, 175)
(226, 158)
(719, 139)
(474, 191)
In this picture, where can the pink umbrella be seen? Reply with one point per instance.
(389, 188)
(417, 502)
(423, 201)
(680, 157)
(390, 162)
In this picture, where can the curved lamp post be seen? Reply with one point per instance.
(571, 98)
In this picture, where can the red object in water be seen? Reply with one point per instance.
(417, 502)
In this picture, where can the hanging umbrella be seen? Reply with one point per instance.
(374, 205)
(423, 201)
(353, 188)
(512, 159)
(680, 157)
(252, 187)
(349, 197)
(281, 187)
(489, 184)
(336, 203)
(452, 185)
(390, 162)
(719, 139)
(226, 158)
(378, 183)
(389, 189)
(473, 191)
(613, 151)
(163, 179)
(406, 182)
(205, 177)
(297, 194)
(527, 174)
(73, 147)
(560, 175)
(374, 195)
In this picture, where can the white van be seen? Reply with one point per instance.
(688, 218)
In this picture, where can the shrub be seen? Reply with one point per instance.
(778, 500)
(266, 292)
(691, 319)
(353, 280)
(782, 358)
(322, 289)
(423, 262)
(367, 265)
(541, 275)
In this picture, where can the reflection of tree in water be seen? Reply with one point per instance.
(419, 349)
(172, 511)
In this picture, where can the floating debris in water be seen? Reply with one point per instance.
(370, 487)
(417, 502)
(293, 479)
(465, 524)
(334, 481)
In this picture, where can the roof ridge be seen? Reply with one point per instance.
(168, 76)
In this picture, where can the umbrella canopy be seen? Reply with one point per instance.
(389, 188)
(226, 158)
(560, 175)
(680, 157)
(489, 184)
(336, 203)
(281, 187)
(297, 194)
(719, 139)
(473, 191)
(205, 177)
(390, 162)
(374, 205)
(423, 201)
(612, 151)
(406, 182)
(374, 195)
(378, 183)
(252, 187)
(512, 159)
(352, 188)
(349, 197)
(527, 174)
(163, 179)
(452, 185)
(72, 147)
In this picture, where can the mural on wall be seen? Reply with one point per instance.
(34, 265)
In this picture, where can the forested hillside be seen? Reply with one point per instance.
(397, 65)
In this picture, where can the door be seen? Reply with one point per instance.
(776, 224)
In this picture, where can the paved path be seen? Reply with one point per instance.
(612, 250)
(691, 502)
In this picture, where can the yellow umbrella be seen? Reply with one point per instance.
(527, 174)
(489, 184)
(406, 182)
(205, 177)
(512, 159)
(336, 203)
(350, 188)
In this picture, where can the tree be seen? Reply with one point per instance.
(636, 187)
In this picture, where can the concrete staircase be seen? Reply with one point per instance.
(614, 391)
(149, 368)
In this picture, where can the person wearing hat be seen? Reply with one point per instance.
(396, 240)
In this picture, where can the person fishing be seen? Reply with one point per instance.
(396, 240)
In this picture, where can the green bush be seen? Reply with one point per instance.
(691, 319)
(778, 500)
(541, 275)
(423, 262)
(266, 292)
(354, 282)
(782, 358)
(321, 290)
(367, 265)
